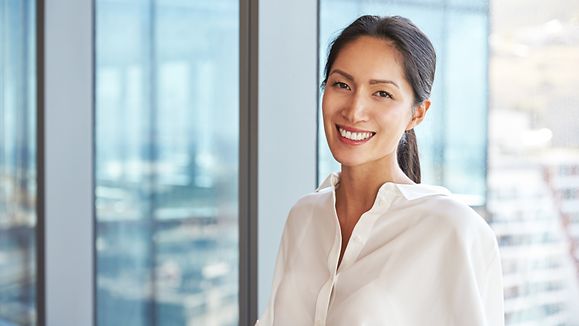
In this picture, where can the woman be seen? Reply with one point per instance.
(373, 246)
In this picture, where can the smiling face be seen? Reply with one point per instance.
(367, 103)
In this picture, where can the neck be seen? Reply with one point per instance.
(359, 184)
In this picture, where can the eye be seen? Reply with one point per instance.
(383, 94)
(341, 85)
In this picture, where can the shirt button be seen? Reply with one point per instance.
(357, 238)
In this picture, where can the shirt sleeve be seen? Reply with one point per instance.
(474, 278)
(492, 293)
(483, 300)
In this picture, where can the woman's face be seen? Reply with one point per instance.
(367, 102)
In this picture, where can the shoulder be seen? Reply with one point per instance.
(459, 216)
(441, 206)
(311, 200)
(457, 230)
(309, 205)
(456, 222)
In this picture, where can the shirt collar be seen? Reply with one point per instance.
(415, 191)
(409, 191)
(330, 181)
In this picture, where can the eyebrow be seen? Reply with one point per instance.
(372, 81)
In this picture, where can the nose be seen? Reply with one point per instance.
(355, 110)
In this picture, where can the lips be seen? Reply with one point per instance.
(354, 136)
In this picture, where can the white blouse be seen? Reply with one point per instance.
(417, 257)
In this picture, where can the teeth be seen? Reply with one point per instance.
(354, 135)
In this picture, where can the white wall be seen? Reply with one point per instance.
(287, 121)
(68, 169)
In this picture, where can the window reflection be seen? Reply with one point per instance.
(533, 160)
(167, 162)
(17, 163)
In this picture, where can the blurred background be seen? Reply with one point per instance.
(503, 134)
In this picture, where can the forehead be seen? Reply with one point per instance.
(371, 58)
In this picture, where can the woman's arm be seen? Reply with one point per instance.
(492, 293)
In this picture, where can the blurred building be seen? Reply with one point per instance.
(561, 170)
(539, 274)
(539, 277)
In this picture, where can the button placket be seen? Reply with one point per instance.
(325, 294)
(360, 235)
(363, 230)
(323, 301)
(357, 241)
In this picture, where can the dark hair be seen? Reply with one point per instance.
(419, 67)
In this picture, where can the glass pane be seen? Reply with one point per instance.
(17, 163)
(534, 158)
(167, 162)
(469, 4)
(465, 94)
(455, 162)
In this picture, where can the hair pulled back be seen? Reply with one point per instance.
(419, 68)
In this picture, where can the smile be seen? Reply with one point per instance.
(351, 136)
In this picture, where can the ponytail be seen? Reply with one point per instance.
(407, 154)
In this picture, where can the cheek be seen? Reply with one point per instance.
(324, 104)
(398, 114)
(328, 106)
(393, 121)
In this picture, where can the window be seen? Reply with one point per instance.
(17, 163)
(533, 152)
(167, 134)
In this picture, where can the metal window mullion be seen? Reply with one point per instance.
(248, 149)
(40, 261)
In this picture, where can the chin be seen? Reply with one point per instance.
(349, 159)
(352, 158)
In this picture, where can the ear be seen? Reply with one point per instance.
(419, 114)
